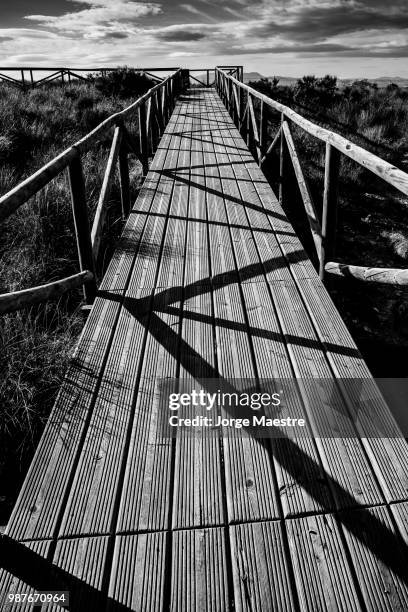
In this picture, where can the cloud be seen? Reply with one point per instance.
(180, 36)
(102, 16)
(215, 29)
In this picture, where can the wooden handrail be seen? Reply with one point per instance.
(324, 234)
(25, 190)
(385, 276)
(88, 242)
(389, 173)
(10, 302)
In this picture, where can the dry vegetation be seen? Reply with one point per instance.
(373, 221)
(38, 246)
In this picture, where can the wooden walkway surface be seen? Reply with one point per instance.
(209, 280)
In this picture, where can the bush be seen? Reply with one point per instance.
(123, 82)
(311, 90)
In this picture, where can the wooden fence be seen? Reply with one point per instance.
(30, 77)
(27, 78)
(152, 112)
(239, 100)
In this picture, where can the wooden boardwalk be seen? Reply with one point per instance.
(209, 280)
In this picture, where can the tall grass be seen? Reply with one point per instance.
(37, 245)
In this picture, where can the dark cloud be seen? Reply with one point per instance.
(5, 38)
(180, 35)
(309, 24)
(322, 23)
(116, 35)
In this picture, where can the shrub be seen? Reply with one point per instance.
(123, 82)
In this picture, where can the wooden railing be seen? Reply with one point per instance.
(239, 100)
(151, 112)
(29, 77)
(206, 76)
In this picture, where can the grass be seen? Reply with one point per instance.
(38, 246)
(373, 221)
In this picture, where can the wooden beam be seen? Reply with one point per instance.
(304, 190)
(385, 276)
(143, 137)
(283, 159)
(330, 203)
(254, 131)
(81, 221)
(10, 302)
(236, 114)
(100, 214)
(272, 145)
(124, 181)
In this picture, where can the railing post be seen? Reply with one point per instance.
(262, 129)
(124, 179)
(143, 138)
(248, 124)
(185, 78)
(283, 163)
(81, 222)
(330, 206)
(23, 80)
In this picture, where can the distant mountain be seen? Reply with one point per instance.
(253, 76)
(381, 81)
(288, 81)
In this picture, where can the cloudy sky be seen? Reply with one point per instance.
(350, 38)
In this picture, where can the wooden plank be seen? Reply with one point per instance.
(199, 571)
(249, 474)
(388, 451)
(250, 477)
(321, 567)
(350, 475)
(261, 571)
(138, 573)
(379, 558)
(400, 514)
(13, 584)
(197, 479)
(301, 482)
(82, 562)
